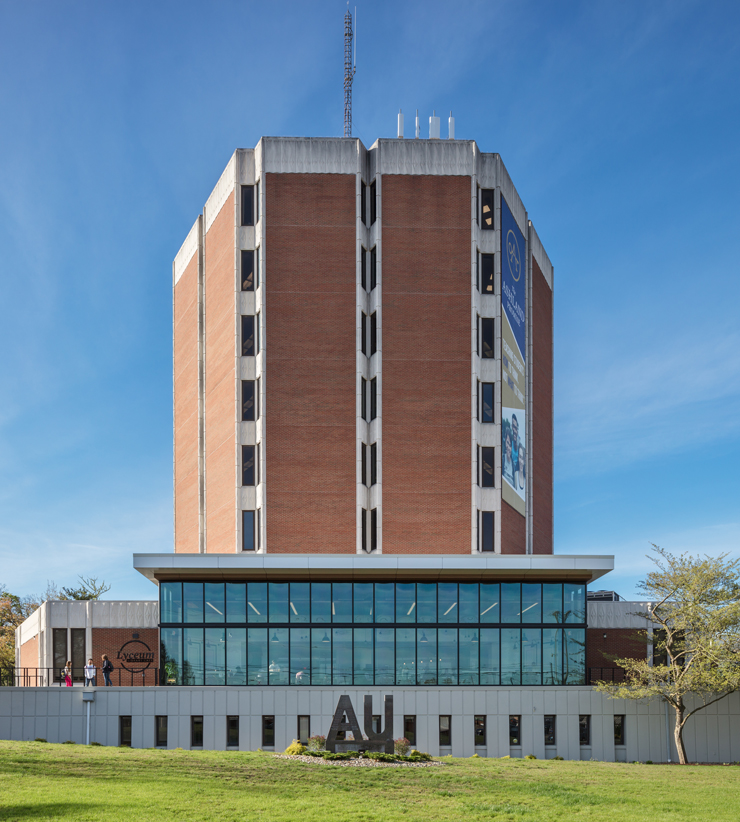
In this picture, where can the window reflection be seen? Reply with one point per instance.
(447, 602)
(363, 654)
(300, 602)
(236, 602)
(468, 651)
(489, 602)
(552, 602)
(405, 656)
(531, 656)
(384, 655)
(277, 652)
(531, 602)
(511, 606)
(215, 656)
(468, 603)
(363, 602)
(257, 602)
(300, 656)
(341, 606)
(342, 656)
(257, 656)
(193, 662)
(320, 656)
(510, 656)
(426, 656)
(236, 657)
(405, 602)
(215, 610)
(447, 656)
(192, 595)
(426, 602)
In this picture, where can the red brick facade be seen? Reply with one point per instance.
(111, 641)
(513, 530)
(604, 645)
(30, 653)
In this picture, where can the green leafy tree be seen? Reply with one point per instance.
(695, 606)
(89, 588)
(13, 611)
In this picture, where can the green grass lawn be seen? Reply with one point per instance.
(43, 781)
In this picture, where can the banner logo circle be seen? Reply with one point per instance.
(513, 257)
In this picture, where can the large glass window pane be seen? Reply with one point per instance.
(257, 656)
(552, 602)
(405, 602)
(574, 602)
(249, 531)
(192, 595)
(552, 656)
(257, 602)
(363, 603)
(426, 656)
(487, 337)
(363, 653)
(215, 656)
(247, 335)
(300, 602)
(321, 602)
(171, 655)
(248, 277)
(487, 472)
(486, 208)
(320, 656)
(511, 606)
(249, 407)
(487, 274)
(279, 609)
(236, 656)
(193, 662)
(468, 650)
(341, 603)
(277, 651)
(486, 411)
(405, 656)
(426, 602)
(575, 657)
(170, 596)
(342, 655)
(489, 656)
(447, 602)
(384, 604)
(531, 602)
(236, 601)
(468, 602)
(384, 656)
(490, 610)
(487, 532)
(215, 608)
(447, 655)
(300, 656)
(531, 656)
(510, 656)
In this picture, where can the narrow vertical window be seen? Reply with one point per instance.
(363, 268)
(373, 332)
(477, 334)
(232, 731)
(247, 270)
(373, 398)
(487, 274)
(409, 729)
(373, 463)
(363, 333)
(480, 732)
(515, 726)
(124, 731)
(249, 542)
(619, 729)
(445, 731)
(249, 405)
(373, 203)
(486, 411)
(486, 531)
(256, 267)
(249, 472)
(363, 204)
(374, 529)
(304, 729)
(487, 201)
(364, 464)
(363, 399)
(487, 465)
(248, 335)
(477, 270)
(477, 205)
(256, 202)
(247, 205)
(584, 729)
(550, 738)
(364, 530)
(257, 333)
(373, 268)
(196, 731)
(160, 731)
(268, 731)
(487, 335)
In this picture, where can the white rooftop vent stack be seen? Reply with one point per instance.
(451, 123)
(400, 124)
(434, 126)
(417, 123)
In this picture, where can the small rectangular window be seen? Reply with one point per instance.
(373, 398)
(584, 729)
(550, 729)
(249, 466)
(487, 467)
(249, 523)
(256, 202)
(196, 731)
(248, 270)
(487, 278)
(515, 738)
(160, 731)
(477, 333)
(59, 639)
(373, 268)
(248, 336)
(373, 203)
(477, 205)
(363, 268)
(480, 731)
(409, 729)
(486, 395)
(232, 731)
(363, 469)
(374, 529)
(487, 206)
(486, 531)
(445, 731)
(373, 332)
(304, 729)
(363, 333)
(619, 729)
(487, 336)
(477, 270)
(373, 463)
(268, 731)
(363, 204)
(247, 205)
(363, 400)
(249, 404)
(124, 731)
(364, 529)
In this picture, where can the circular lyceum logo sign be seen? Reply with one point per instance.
(135, 656)
(513, 257)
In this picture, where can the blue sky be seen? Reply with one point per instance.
(618, 123)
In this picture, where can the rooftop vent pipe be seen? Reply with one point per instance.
(400, 124)
(451, 123)
(434, 126)
(417, 123)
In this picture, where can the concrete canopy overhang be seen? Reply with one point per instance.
(388, 567)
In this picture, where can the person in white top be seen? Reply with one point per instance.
(90, 672)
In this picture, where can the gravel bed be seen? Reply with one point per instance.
(359, 763)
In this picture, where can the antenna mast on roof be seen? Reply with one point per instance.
(349, 71)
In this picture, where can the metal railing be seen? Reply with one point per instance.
(605, 675)
(46, 677)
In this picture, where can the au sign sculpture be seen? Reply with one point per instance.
(345, 721)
